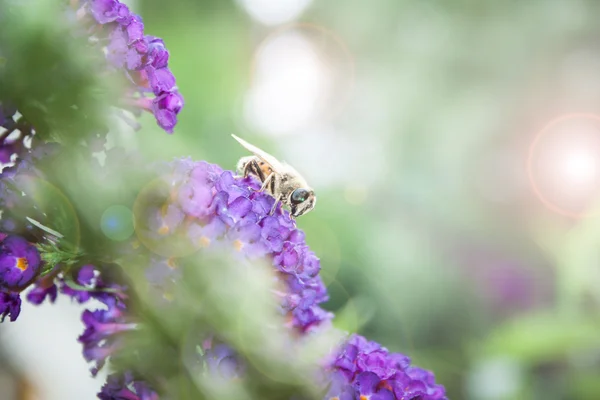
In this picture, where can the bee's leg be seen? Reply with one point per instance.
(267, 182)
(274, 205)
(252, 167)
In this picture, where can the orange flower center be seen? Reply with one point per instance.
(204, 241)
(22, 263)
(238, 244)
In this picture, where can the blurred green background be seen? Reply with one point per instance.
(414, 121)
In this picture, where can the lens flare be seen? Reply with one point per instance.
(150, 202)
(564, 165)
(302, 74)
(579, 166)
(117, 223)
(289, 86)
(53, 209)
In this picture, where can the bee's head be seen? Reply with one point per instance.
(302, 201)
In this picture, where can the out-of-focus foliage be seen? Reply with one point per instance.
(44, 66)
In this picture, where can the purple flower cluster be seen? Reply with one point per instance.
(208, 204)
(144, 59)
(100, 339)
(19, 265)
(125, 387)
(365, 370)
(221, 360)
(205, 204)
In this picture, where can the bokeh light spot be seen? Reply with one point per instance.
(290, 83)
(273, 12)
(579, 166)
(117, 223)
(301, 76)
(563, 165)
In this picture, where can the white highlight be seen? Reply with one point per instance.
(273, 12)
(289, 86)
(579, 167)
(43, 345)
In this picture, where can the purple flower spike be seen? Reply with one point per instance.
(124, 387)
(19, 262)
(217, 206)
(10, 305)
(143, 59)
(374, 373)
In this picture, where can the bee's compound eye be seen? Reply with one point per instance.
(299, 196)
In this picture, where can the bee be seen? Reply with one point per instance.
(279, 179)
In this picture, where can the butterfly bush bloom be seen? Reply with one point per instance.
(19, 262)
(143, 59)
(19, 265)
(99, 338)
(207, 204)
(365, 370)
(221, 360)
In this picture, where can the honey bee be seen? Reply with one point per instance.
(279, 179)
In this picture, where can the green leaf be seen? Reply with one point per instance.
(541, 337)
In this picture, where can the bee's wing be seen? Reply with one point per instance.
(275, 164)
